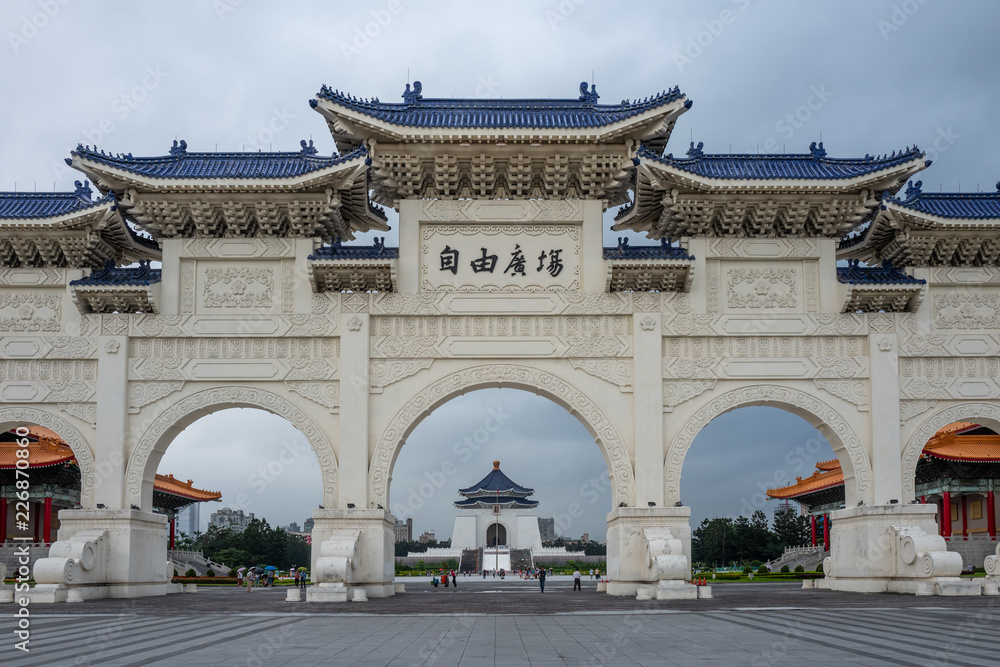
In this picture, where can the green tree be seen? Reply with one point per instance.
(790, 528)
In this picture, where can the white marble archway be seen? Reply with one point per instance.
(517, 376)
(985, 414)
(846, 444)
(161, 432)
(12, 417)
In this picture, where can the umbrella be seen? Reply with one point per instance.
(271, 567)
(303, 569)
(258, 570)
(241, 569)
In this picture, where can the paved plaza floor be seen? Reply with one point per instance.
(512, 623)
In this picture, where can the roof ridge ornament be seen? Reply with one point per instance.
(817, 150)
(179, 148)
(913, 189)
(83, 190)
(308, 149)
(591, 96)
(413, 96)
(696, 151)
(998, 186)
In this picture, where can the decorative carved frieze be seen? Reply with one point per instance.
(732, 247)
(30, 311)
(83, 411)
(233, 358)
(521, 211)
(237, 248)
(326, 394)
(762, 288)
(567, 336)
(965, 275)
(852, 391)
(778, 324)
(967, 310)
(762, 347)
(141, 394)
(48, 381)
(616, 371)
(32, 277)
(389, 371)
(675, 393)
(355, 303)
(910, 409)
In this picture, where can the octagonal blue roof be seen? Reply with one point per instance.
(810, 166)
(496, 500)
(493, 483)
(416, 111)
(180, 164)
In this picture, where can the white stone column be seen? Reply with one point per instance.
(408, 264)
(354, 410)
(647, 397)
(170, 285)
(112, 415)
(886, 448)
(593, 276)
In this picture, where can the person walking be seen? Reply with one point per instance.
(454, 579)
(444, 578)
(541, 579)
(591, 573)
(576, 580)
(249, 580)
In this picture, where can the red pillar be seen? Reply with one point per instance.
(923, 500)
(47, 521)
(826, 532)
(946, 514)
(813, 521)
(3, 518)
(173, 529)
(991, 515)
(965, 516)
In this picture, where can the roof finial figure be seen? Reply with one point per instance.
(589, 96)
(179, 148)
(998, 186)
(83, 189)
(695, 151)
(412, 96)
(913, 189)
(817, 150)
(308, 149)
(496, 465)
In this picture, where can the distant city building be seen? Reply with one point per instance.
(189, 520)
(404, 530)
(293, 528)
(308, 525)
(235, 520)
(584, 538)
(427, 537)
(547, 529)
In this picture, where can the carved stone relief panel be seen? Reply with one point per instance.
(967, 310)
(503, 211)
(48, 381)
(616, 371)
(225, 287)
(762, 288)
(237, 248)
(30, 311)
(499, 258)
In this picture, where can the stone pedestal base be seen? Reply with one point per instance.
(991, 585)
(400, 588)
(6, 593)
(602, 587)
(892, 549)
(293, 595)
(372, 565)
(629, 564)
(704, 592)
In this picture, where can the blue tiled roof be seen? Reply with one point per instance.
(26, 205)
(112, 275)
(887, 274)
(181, 164)
(955, 205)
(415, 111)
(814, 165)
(663, 251)
(495, 481)
(496, 500)
(338, 251)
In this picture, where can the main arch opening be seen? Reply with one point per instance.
(760, 482)
(500, 469)
(258, 468)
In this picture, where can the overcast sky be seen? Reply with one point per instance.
(866, 76)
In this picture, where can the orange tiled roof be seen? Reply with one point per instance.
(820, 480)
(167, 484)
(45, 448)
(948, 443)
